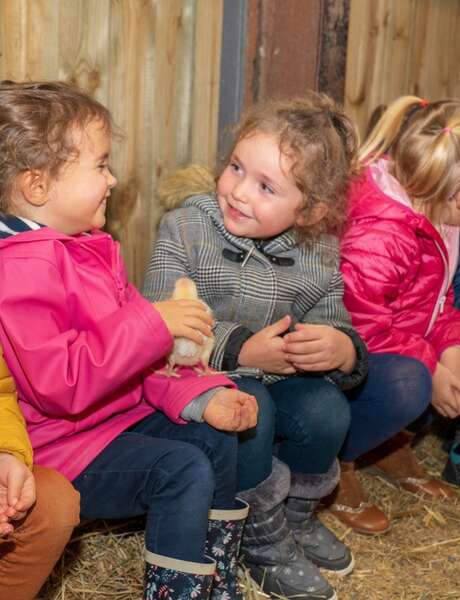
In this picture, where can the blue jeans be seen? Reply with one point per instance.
(397, 391)
(307, 417)
(171, 473)
(456, 286)
(312, 421)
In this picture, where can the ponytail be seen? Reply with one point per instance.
(388, 128)
(423, 141)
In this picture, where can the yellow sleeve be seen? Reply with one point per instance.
(13, 433)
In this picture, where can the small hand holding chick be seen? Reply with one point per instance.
(187, 352)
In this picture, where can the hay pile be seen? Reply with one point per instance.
(418, 559)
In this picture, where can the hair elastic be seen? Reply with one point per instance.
(423, 103)
(447, 130)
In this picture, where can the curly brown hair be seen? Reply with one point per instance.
(37, 119)
(322, 143)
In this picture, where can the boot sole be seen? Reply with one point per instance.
(373, 470)
(340, 571)
(269, 586)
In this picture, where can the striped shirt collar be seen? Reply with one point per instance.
(11, 225)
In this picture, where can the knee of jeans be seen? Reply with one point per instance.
(266, 416)
(194, 473)
(58, 503)
(331, 418)
(412, 387)
(220, 446)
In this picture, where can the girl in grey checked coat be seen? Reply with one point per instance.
(262, 250)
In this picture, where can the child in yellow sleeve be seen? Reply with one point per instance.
(38, 507)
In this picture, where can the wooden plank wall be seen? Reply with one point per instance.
(154, 63)
(293, 46)
(398, 47)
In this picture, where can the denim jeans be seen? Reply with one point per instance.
(312, 421)
(397, 391)
(307, 417)
(171, 473)
(456, 286)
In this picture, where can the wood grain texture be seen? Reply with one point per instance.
(398, 47)
(154, 63)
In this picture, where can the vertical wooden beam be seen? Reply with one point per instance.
(295, 45)
(232, 70)
(284, 62)
(332, 56)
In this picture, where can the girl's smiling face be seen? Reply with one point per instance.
(256, 192)
(77, 198)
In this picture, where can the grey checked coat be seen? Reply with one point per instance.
(249, 286)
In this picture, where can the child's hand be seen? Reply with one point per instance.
(446, 392)
(265, 349)
(186, 318)
(319, 348)
(231, 410)
(17, 491)
(450, 358)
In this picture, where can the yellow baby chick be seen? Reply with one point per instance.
(185, 352)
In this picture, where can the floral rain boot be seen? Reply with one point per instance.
(223, 545)
(173, 579)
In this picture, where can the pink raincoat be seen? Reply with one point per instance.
(80, 342)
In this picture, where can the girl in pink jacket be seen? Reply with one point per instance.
(399, 255)
(84, 346)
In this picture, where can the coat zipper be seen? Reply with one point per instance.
(113, 267)
(439, 306)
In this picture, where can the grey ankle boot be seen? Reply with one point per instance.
(318, 543)
(268, 547)
(177, 579)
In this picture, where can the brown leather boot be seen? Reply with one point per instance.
(350, 505)
(395, 461)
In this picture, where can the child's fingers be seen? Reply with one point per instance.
(232, 419)
(253, 409)
(252, 404)
(6, 529)
(307, 332)
(191, 334)
(197, 309)
(313, 362)
(15, 482)
(198, 325)
(279, 327)
(304, 347)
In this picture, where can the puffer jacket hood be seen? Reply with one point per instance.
(193, 180)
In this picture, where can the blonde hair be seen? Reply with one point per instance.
(423, 140)
(322, 143)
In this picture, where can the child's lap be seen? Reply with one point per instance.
(145, 456)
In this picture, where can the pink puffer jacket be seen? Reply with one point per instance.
(396, 273)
